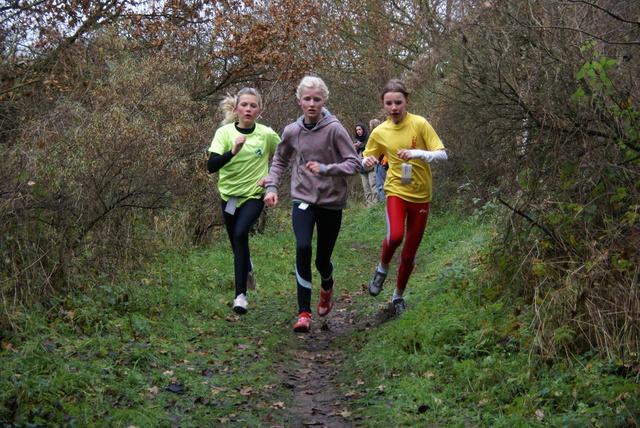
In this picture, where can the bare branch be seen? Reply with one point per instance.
(607, 11)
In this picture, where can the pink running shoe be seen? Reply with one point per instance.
(304, 323)
(326, 302)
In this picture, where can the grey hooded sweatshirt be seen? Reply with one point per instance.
(329, 144)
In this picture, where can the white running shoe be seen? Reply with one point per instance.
(240, 304)
(375, 285)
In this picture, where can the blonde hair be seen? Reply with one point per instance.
(373, 123)
(313, 82)
(230, 102)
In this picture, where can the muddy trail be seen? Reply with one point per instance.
(311, 362)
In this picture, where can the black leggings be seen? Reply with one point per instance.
(328, 224)
(238, 226)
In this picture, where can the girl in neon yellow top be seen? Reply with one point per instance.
(240, 151)
(410, 145)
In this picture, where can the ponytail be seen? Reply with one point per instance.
(230, 102)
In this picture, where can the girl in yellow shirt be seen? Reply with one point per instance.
(410, 145)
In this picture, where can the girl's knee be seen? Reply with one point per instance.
(241, 237)
(407, 260)
(394, 241)
(324, 267)
(303, 249)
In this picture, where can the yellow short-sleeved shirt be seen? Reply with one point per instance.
(414, 132)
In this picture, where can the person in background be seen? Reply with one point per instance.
(380, 168)
(323, 156)
(240, 152)
(410, 145)
(368, 177)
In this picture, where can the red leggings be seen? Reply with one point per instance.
(416, 216)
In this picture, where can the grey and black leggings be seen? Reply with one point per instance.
(328, 224)
(238, 226)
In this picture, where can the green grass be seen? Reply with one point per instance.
(461, 355)
(165, 349)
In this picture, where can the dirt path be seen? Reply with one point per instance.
(312, 362)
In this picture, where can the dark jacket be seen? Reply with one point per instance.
(362, 139)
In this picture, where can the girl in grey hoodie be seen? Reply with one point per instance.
(323, 156)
